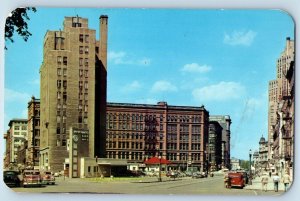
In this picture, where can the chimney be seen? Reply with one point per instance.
(103, 40)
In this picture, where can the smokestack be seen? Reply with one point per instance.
(103, 40)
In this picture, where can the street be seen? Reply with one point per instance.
(145, 185)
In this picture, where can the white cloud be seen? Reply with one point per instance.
(133, 86)
(16, 96)
(219, 92)
(195, 68)
(122, 58)
(240, 38)
(162, 86)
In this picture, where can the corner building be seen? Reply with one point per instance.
(139, 131)
(73, 90)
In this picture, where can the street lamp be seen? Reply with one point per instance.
(159, 171)
(250, 172)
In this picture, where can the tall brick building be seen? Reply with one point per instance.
(139, 131)
(281, 112)
(73, 89)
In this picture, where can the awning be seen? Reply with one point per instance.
(156, 160)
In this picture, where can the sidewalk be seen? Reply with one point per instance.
(256, 185)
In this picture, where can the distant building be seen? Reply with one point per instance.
(17, 135)
(263, 153)
(225, 122)
(139, 131)
(235, 164)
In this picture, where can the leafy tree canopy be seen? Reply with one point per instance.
(17, 22)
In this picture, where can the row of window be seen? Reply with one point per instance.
(140, 117)
(62, 60)
(61, 72)
(86, 49)
(139, 156)
(83, 38)
(20, 127)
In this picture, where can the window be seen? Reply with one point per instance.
(86, 50)
(80, 49)
(80, 61)
(58, 119)
(65, 61)
(86, 72)
(86, 62)
(65, 72)
(65, 84)
(59, 60)
(64, 97)
(86, 86)
(81, 38)
(59, 84)
(79, 119)
(58, 71)
(86, 38)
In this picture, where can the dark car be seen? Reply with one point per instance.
(12, 178)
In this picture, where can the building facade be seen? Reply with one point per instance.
(214, 149)
(73, 90)
(17, 137)
(263, 154)
(225, 122)
(33, 139)
(281, 112)
(138, 131)
(235, 164)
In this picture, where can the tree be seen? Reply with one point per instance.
(245, 164)
(17, 22)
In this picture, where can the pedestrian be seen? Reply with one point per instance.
(276, 180)
(264, 182)
(270, 174)
(286, 180)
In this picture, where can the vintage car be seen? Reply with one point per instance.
(32, 178)
(12, 178)
(236, 179)
(48, 178)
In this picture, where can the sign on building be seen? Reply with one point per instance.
(79, 147)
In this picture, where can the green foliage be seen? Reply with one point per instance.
(17, 22)
(245, 164)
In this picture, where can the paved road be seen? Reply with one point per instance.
(183, 186)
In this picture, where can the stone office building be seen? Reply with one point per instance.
(73, 90)
(136, 132)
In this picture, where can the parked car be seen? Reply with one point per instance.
(32, 178)
(48, 178)
(12, 178)
(197, 175)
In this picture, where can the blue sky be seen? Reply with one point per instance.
(222, 59)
